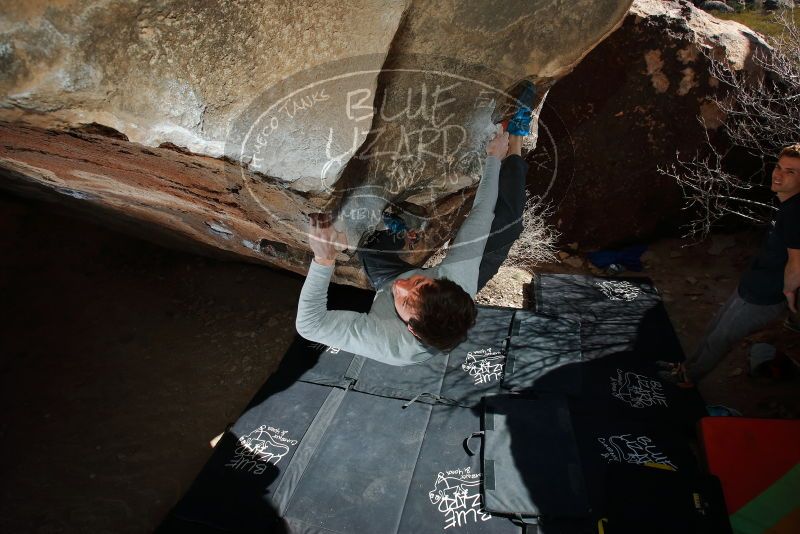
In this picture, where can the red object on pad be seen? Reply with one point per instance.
(749, 455)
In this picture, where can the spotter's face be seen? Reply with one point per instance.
(786, 177)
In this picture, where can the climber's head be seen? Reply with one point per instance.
(436, 310)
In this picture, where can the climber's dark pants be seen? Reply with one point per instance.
(379, 254)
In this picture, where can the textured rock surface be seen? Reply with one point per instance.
(623, 112)
(457, 58)
(292, 92)
(172, 71)
(181, 200)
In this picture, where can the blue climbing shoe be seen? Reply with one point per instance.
(394, 223)
(398, 229)
(520, 121)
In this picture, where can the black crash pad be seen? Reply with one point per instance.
(338, 443)
(543, 354)
(616, 314)
(358, 464)
(531, 466)
(445, 490)
(468, 373)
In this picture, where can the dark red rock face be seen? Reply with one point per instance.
(181, 200)
(620, 115)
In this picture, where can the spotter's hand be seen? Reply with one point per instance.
(791, 299)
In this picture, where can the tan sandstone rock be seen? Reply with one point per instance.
(221, 125)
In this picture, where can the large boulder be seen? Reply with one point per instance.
(623, 112)
(451, 65)
(222, 125)
(715, 5)
(171, 71)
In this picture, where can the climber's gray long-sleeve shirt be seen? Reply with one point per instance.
(380, 334)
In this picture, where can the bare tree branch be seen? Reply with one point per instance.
(762, 116)
(537, 243)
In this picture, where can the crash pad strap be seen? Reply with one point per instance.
(354, 368)
(307, 448)
(488, 475)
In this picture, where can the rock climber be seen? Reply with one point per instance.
(421, 313)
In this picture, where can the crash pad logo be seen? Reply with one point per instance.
(264, 445)
(484, 365)
(456, 494)
(633, 450)
(619, 290)
(637, 391)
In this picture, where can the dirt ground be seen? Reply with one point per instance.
(120, 360)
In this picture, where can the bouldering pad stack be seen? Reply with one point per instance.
(516, 430)
(758, 463)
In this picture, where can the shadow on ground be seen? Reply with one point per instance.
(119, 361)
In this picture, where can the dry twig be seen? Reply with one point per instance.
(762, 116)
